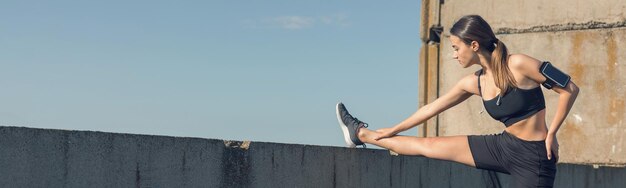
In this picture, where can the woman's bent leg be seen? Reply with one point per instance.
(451, 148)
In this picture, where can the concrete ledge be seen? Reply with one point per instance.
(56, 158)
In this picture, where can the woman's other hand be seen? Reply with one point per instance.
(384, 133)
(552, 146)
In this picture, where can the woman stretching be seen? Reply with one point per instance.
(510, 88)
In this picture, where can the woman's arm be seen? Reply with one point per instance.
(455, 96)
(567, 96)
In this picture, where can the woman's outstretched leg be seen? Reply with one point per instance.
(451, 148)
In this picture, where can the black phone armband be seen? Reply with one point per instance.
(554, 76)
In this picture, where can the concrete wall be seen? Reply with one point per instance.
(586, 39)
(55, 158)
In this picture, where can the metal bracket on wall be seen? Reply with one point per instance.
(434, 37)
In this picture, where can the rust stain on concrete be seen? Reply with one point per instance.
(600, 86)
(611, 53)
(578, 73)
(616, 103)
(570, 132)
(576, 68)
(616, 110)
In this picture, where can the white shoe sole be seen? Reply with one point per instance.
(344, 128)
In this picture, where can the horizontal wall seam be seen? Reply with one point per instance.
(562, 27)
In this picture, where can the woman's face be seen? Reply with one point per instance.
(463, 53)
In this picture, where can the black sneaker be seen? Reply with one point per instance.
(349, 125)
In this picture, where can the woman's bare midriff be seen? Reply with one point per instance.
(532, 128)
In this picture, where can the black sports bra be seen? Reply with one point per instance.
(515, 105)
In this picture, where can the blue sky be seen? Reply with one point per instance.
(267, 71)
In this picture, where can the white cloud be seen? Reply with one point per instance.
(299, 22)
(338, 20)
(293, 22)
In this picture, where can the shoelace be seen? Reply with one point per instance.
(361, 125)
(359, 122)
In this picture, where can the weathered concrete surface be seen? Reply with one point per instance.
(585, 39)
(523, 14)
(592, 58)
(55, 158)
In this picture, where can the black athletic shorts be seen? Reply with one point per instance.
(525, 161)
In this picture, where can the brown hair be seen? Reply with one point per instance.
(474, 28)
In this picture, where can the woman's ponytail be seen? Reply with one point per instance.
(503, 77)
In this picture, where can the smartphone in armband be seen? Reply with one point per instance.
(553, 76)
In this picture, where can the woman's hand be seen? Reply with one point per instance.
(552, 144)
(384, 133)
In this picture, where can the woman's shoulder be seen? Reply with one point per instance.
(469, 82)
(523, 62)
(526, 66)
